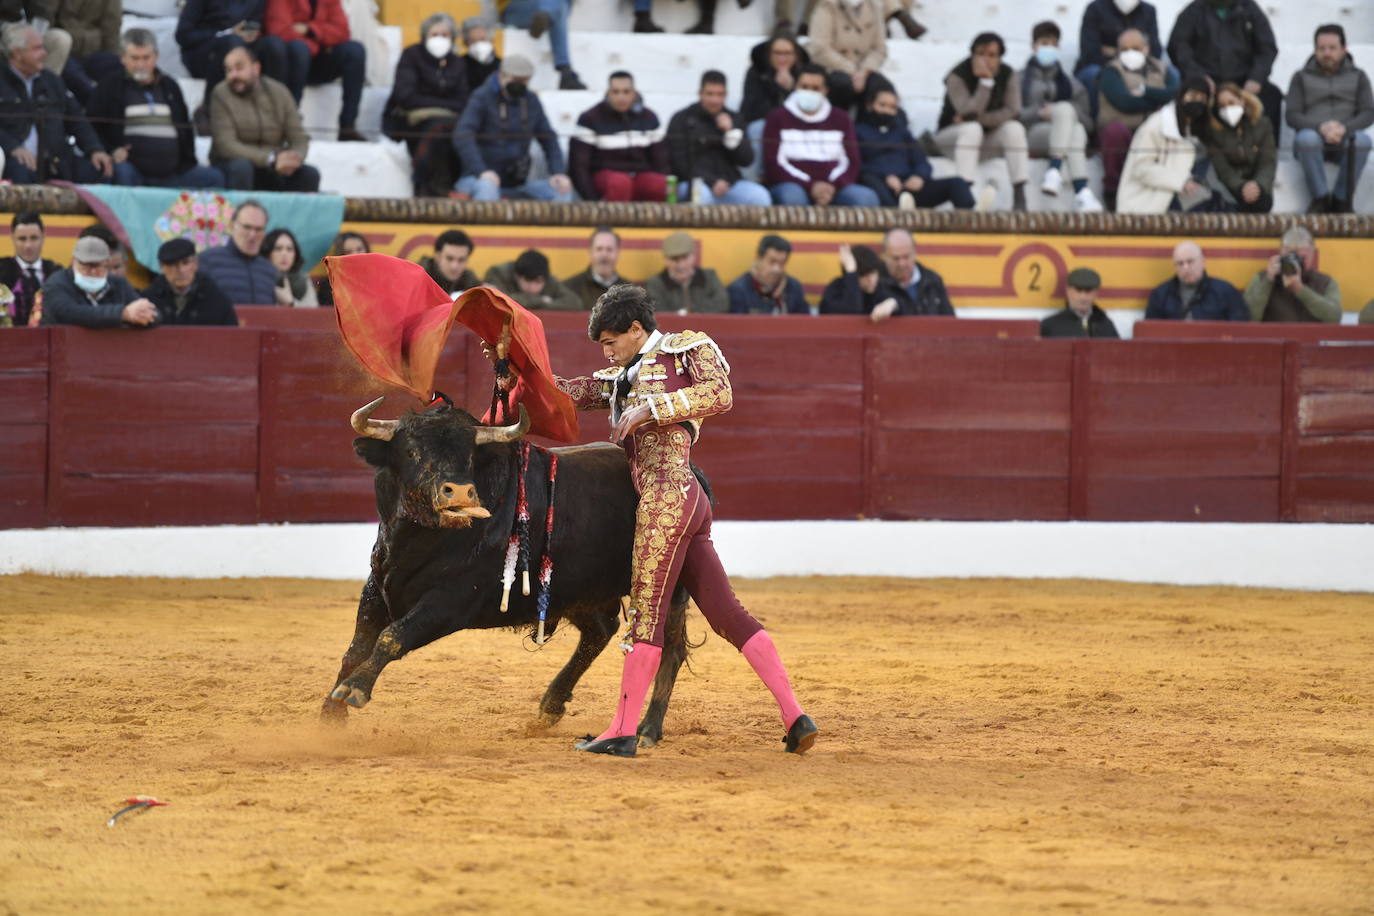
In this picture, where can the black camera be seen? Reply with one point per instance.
(1290, 263)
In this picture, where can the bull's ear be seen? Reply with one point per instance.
(374, 451)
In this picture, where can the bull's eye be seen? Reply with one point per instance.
(414, 454)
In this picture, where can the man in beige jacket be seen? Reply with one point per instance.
(848, 39)
(259, 142)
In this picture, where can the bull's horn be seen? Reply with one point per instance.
(364, 425)
(489, 434)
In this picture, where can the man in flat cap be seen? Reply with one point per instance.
(683, 287)
(1082, 317)
(493, 137)
(182, 295)
(86, 295)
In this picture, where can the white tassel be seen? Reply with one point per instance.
(508, 576)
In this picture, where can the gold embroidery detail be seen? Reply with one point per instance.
(665, 484)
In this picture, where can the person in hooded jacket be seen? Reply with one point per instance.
(811, 154)
(894, 165)
(1158, 173)
(430, 91)
(1241, 147)
(1057, 116)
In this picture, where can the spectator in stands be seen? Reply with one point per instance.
(864, 288)
(429, 92)
(811, 154)
(1330, 105)
(1099, 36)
(1367, 313)
(1133, 86)
(293, 286)
(848, 39)
(493, 138)
(181, 294)
(38, 14)
(923, 286)
(766, 289)
(773, 70)
(85, 295)
(785, 23)
(25, 272)
(708, 149)
(259, 143)
(319, 50)
(893, 164)
(94, 57)
(142, 119)
(207, 30)
(619, 150)
(237, 267)
(114, 265)
(603, 252)
(1158, 174)
(1081, 317)
(1240, 144)
(1057, 116)
(449, 265)
(683, 286)
(344, 243)
(1228, 41)
(540, 16)
(480, 60)
(527, 281)
(979, 117)
(1290, 288)
(1191, 295)
(39, 118)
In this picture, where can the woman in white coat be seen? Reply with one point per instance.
(1159, 166)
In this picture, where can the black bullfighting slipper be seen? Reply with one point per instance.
(624, 746)
(801, 735)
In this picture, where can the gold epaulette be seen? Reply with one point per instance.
(683, 341)
(609, 374)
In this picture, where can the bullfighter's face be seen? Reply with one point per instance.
(621, 348)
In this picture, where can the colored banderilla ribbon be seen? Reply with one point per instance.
(135, 803)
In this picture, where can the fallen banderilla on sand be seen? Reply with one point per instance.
(135, 803)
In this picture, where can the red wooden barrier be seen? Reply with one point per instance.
(1249, 330)
(1177, 431)
(23, 459)
(1329, 433)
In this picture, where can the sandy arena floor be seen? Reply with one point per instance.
(989, 746)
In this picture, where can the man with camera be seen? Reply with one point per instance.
(1290, 288)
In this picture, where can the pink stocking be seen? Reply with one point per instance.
(762, 656)
(641, 664)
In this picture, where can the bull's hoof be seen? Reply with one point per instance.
(648, 741)
(548, 719)
(333, 713)
(350, 695)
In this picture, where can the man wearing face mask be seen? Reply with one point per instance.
(1229, 41)
(428, 94)
(1331, 105)
(1055, 111)
(1099, 37)
(1133, 86)
(493, 138)
(142, 119)
(86, 295)
(810, 150)
(1159, 167)
(480, 60)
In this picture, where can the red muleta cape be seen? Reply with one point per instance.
(395, 320)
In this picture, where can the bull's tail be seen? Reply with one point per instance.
(705, 485)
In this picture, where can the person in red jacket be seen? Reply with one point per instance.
(810, 150)
(318, 50)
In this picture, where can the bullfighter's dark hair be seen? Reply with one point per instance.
(619, 307)
(454, 237)
(26, 218)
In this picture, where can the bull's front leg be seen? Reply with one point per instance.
(372, 616)
(429, 619)
(595, 629)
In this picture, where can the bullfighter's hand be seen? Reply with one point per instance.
(631, 420)
(507, 383)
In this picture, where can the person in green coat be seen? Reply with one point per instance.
(1241, 146)
(683, 287)
(528, 282)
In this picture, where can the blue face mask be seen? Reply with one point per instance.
(1047, 55)
(88, 284)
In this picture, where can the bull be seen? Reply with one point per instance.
(446, 490)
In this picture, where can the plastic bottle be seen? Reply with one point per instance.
(672, 190)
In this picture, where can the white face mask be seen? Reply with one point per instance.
(1132, 59)
(1232, 114)
(87, 284)
(808, 100)
(1126, 7)
(482, 51)
(438, 46)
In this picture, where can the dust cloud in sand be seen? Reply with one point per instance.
(986, 746)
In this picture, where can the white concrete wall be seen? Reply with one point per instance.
(1329, 557)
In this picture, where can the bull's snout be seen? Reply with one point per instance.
(457, 503)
